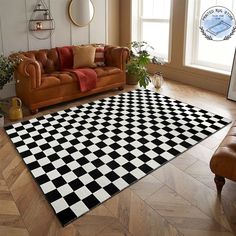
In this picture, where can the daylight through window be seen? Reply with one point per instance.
(151, 23)
(200, 52)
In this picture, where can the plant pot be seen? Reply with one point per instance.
(131, 79)
(1, 120)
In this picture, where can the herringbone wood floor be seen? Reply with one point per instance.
(177, 199)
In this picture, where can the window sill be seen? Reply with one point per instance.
(208, 69)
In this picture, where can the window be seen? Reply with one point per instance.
(200, 52)
(151, 23)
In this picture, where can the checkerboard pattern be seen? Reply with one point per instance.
(82, 156)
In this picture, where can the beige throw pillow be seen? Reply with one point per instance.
(84, 56)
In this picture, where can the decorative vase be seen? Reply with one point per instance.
(157, 80)
(1, 120)
(15, 111)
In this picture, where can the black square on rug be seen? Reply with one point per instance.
(82, 156)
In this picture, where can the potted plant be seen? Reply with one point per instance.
(7, 68)
(140, 57)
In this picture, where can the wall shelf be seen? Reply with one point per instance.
(42, 20)
(41, 23)
(40, 10)
(41, 29)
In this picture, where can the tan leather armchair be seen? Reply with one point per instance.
(223, 162)
(40, 82)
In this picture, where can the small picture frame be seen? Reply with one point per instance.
(232, 83)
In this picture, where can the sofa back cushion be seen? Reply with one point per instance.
(47, 59)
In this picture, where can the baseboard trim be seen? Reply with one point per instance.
(197, 78)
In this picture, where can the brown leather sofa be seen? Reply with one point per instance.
(223, 162)
(40, 82)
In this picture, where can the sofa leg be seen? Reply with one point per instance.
(121, 88)
(219, 181)
(34, 111)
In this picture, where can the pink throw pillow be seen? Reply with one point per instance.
(99, 56)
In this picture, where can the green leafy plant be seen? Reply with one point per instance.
(7, 68)
(140, 57)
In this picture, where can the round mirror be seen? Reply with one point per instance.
(81, 12)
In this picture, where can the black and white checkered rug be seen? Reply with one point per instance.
(82, 156)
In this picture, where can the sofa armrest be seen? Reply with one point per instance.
(116, 56)
(30, 70)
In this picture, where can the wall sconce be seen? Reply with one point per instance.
(39, 25)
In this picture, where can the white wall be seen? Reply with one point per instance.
(14, 34)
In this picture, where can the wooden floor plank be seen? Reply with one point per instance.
(181, 213)
(194, 191)
(11, 222)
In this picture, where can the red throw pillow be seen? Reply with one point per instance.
(65, 55)
(99, 56)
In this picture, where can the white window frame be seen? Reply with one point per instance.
(138, 31)
(191, 55)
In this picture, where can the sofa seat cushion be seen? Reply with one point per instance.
(57, 78)
(105, 71)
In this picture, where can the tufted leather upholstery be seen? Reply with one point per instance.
(47, 59)
(41, 83)
(56, 78)
(105, 71)
(223, 162)
(116, 56)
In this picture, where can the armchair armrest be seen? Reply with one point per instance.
(116, 56)
(31, 70)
